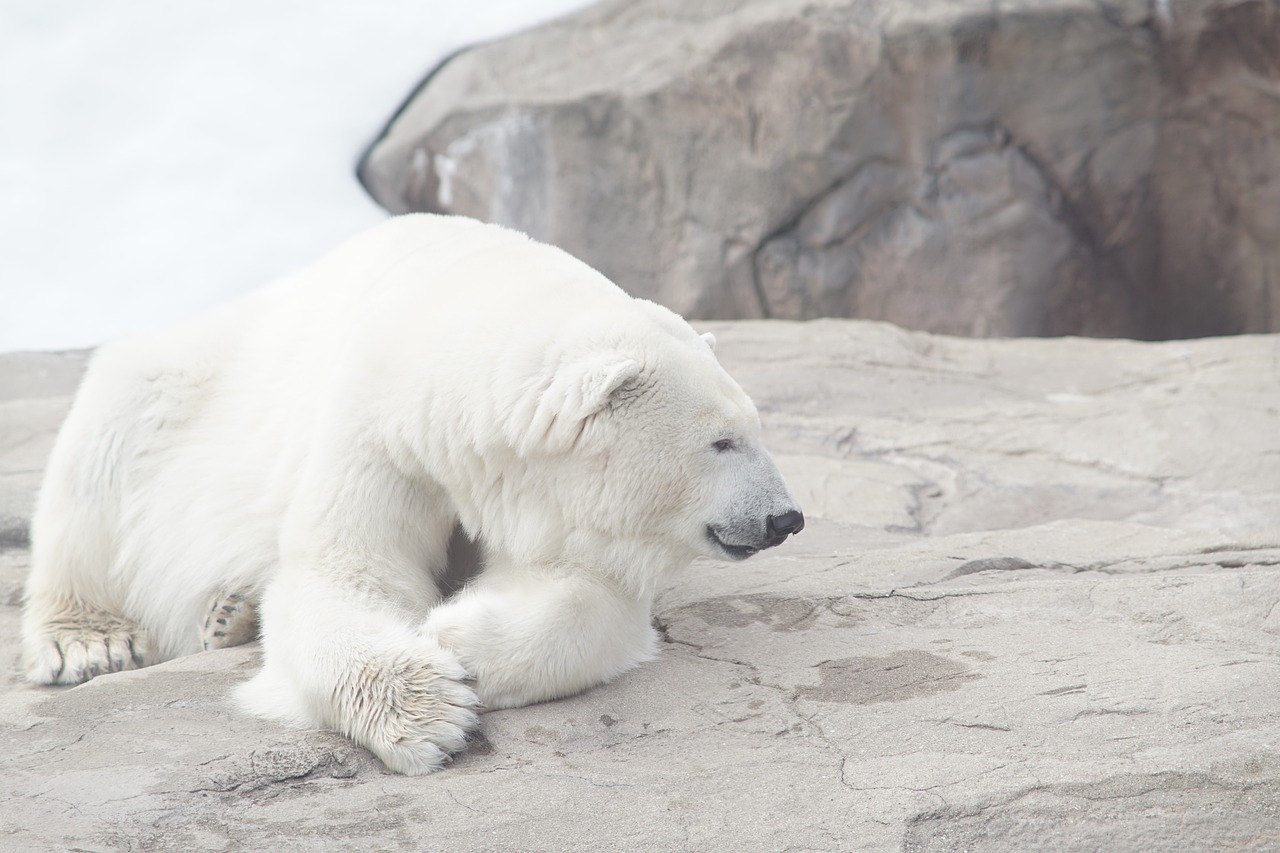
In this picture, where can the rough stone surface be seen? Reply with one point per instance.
(1036, 607)
(1025, 167)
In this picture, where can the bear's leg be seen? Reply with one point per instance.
(338, 658)
(64, 642)
(342, 645)
(71, 627)
(232, 621)
(532, 634)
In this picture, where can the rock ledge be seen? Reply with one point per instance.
(1037, 606)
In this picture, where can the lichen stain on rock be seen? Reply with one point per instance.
(896, 677)
(991, 564)
(1239, 35)
(739, 611)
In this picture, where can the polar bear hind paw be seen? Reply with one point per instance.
(80, 644)
(232, 620)
(414, 714)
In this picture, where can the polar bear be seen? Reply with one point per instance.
(307, 450)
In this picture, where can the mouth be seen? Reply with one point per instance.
(734, 552)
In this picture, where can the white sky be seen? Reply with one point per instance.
(161, 156)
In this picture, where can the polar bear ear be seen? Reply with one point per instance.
(710, 339)
(578, 390)
(601, 378)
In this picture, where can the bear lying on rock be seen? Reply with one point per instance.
(299, 458)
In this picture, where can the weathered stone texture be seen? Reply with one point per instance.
(1038, 167)
(1036, 607)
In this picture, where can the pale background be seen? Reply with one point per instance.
(157, 158)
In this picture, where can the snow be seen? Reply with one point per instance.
(157, 158)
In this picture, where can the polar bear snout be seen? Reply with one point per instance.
(752, 509)
(780, 527)
(738, 543)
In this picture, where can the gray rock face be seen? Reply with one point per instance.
(35, 390)
(1028, 168)
(1036, 607)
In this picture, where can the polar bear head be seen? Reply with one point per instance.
(655, 450)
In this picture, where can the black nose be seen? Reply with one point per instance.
(780, 526)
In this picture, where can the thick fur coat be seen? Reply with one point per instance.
(301, 457)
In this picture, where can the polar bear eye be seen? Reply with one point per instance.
(723, 445)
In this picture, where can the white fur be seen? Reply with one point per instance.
(314, 444)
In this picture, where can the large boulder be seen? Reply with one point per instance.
(1035, 608)
(1033, 167)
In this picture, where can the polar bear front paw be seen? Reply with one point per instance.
(80, 644)
(413, 712)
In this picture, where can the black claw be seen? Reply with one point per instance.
(133, 653)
